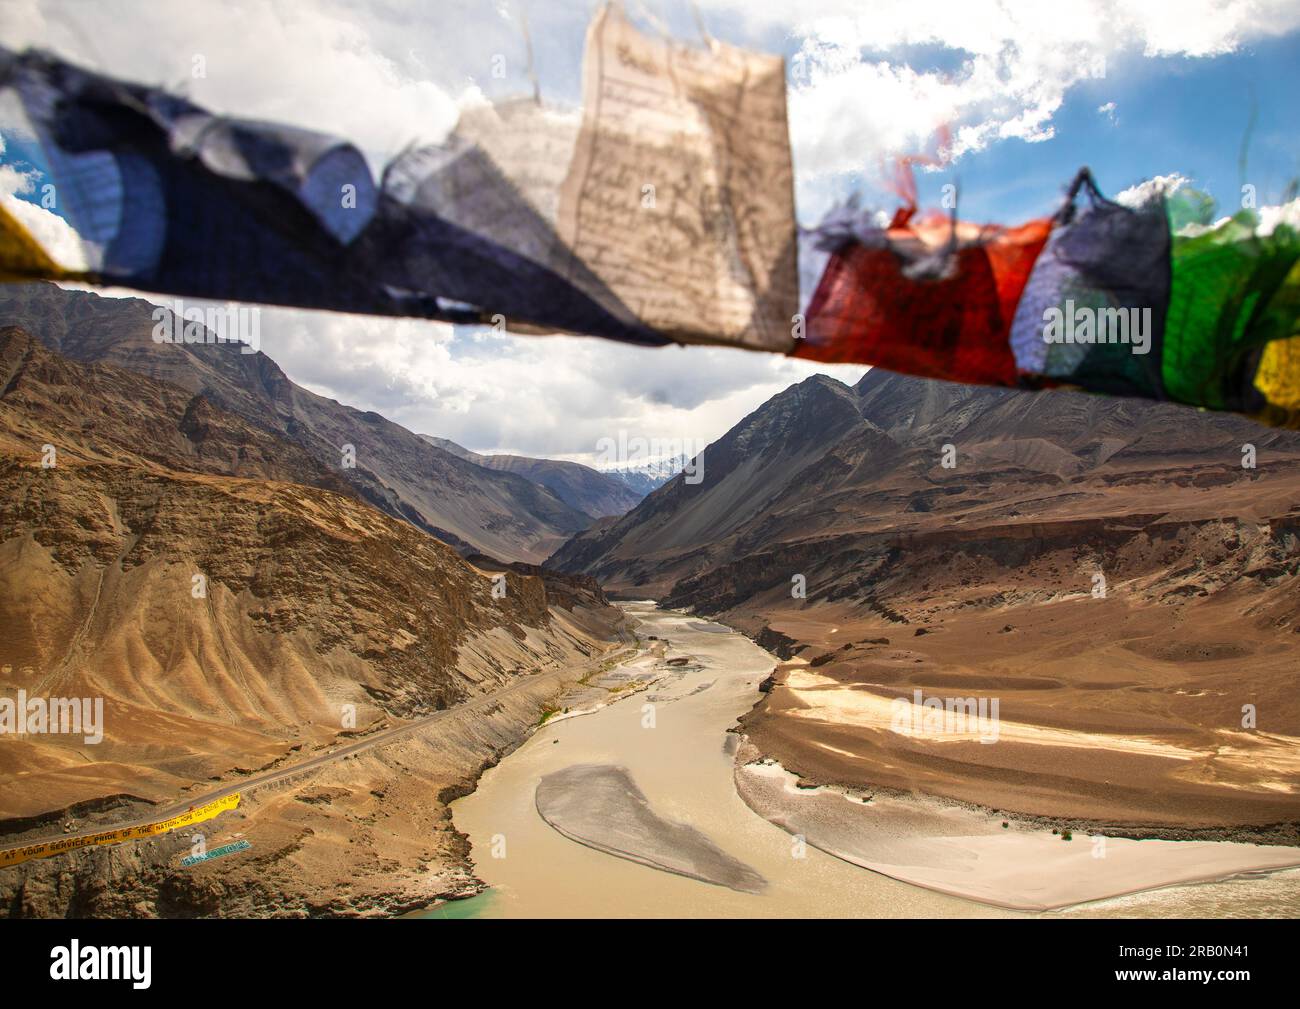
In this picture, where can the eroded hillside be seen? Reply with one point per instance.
(238, 608)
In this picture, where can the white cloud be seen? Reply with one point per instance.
(551, 396)
(1270, 218)
(333, 66)
(59, 240)
(1144, 192)
(854, 98)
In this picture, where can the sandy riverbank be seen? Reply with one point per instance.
(602, 807)
(1107, 714)
(968, 853)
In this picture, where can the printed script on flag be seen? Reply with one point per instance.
(680, 195)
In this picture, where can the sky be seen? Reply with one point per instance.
(1027, 92)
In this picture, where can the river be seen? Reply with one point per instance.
(682, 764)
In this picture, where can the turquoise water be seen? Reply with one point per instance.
(472, 907)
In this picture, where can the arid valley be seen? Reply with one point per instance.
(418, 717)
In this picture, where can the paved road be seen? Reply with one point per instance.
(254, 781)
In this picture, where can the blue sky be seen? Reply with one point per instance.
(1016, 82)
(1171, 114)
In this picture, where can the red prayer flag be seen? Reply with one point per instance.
(934, 298)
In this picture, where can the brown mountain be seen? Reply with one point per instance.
(823, 468)
(1105, 567)
(114, 414)
(581, 487)
(231, 601)
(476, 509)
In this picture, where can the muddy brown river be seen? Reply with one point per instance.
(672, 740)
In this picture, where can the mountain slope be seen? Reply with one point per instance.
(499, 513)
(308, 597)
(236, 607)
(820, 466)
(113, 413)
(589, 491)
